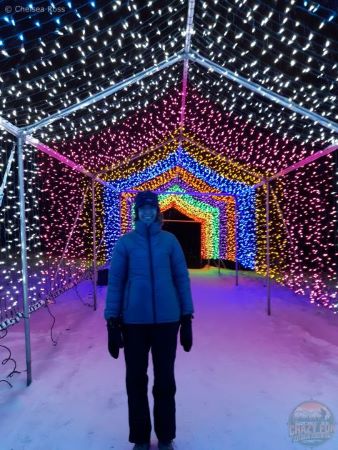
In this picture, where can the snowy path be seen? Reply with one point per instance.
(236, 388)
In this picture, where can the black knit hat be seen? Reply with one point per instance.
(146, 198)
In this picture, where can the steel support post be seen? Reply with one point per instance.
(94, 245)
(20, 143)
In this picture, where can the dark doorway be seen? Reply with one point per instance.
(188, 232)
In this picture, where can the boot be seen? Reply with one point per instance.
(141, 447)
(166, 445)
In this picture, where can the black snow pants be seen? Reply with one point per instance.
(161, 339)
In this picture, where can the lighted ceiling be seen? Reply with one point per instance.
(55, 54)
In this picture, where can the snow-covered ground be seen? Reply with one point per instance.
(235, 389)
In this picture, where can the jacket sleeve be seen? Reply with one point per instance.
(181, 278)
(116, 280)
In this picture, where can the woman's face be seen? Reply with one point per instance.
(147, 214)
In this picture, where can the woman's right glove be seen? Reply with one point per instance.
(186, 332)
(115, 341)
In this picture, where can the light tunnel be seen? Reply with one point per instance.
(229, 219)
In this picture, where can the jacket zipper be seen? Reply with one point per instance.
(152, 275)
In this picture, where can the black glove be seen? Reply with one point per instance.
(186, 332)
(115, 341)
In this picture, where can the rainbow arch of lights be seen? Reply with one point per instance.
(218, 231)
(195, 177)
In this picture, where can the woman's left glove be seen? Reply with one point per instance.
(186, 332)
(115, 340)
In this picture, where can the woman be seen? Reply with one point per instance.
(148, 301)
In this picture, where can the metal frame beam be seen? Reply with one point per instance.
(140, 155)
(187, 46)
(8, 126)
(7, 171)
(187, 55)
(225, 159)
(68, 162)
(180, 140)
(301, 163)
(105, 93)
(16, 131)
(266, 93)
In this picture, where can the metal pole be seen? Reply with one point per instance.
(20, 140)
(236, 240)
(69, 239)
(236, 268)
(221, 157)
(266, 93)
(187, 46)
(45, 149)
(302, 163)
(68, 162)
(7, 171)
(139, 155)
(105, 93)
(268, 284)
(94, 245)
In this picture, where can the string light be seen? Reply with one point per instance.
(214, 234)
(230, 141)
(129, 178)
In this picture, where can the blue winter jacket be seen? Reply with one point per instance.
(148, 278)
